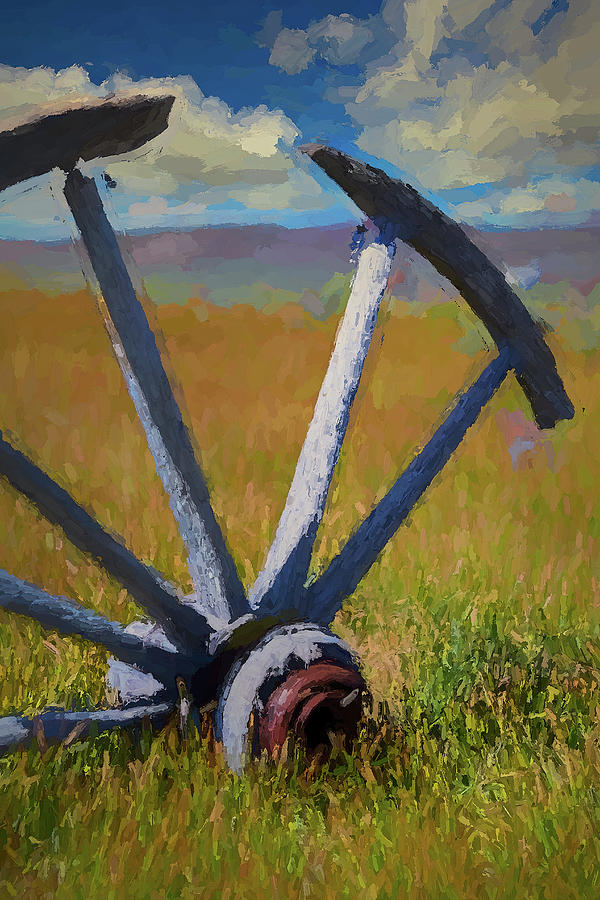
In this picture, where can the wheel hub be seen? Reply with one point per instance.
(317, 706)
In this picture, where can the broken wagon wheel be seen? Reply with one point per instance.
(269, 653)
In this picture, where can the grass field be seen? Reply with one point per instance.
(479, 629)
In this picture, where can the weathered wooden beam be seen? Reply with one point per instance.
(399, 207)
(60, 726)
(324, 597)
(181, 622)
(288, 559)
(68, 617)
(86, 132)
(248, 684)
(218, 588)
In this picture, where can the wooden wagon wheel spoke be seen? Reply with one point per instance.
(280, 582)
(273, 660)
(110, 128)
(407, 216)
(181, 622)
(323, 599)
(218, 589)
(404, 214)
(69, 617)
(60, 726)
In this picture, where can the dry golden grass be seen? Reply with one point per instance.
(474, 793)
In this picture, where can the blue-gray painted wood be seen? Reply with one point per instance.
(58, 725)
(406, 215)
(324, 597)
(256, 674)
(288, 559)
(86, 132)
(68, 617)
(181, 622)
(143, 358)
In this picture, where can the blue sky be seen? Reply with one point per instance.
(216, 45)
(491, 108)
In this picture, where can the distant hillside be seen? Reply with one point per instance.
(561, 254)
(265, 264)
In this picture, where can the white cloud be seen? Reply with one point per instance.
(535, 203)
(152, 207)
(206, 142)
(457, 92)
(208, 154)
(28, 92)
(157, 211)
(340, 40)
(291, 51)
(300, 192)
(449, 122)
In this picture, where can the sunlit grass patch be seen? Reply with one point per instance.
(478, 774)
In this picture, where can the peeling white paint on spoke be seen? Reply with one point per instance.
(209, 595)
(129, 682)
(272, 658)
(291, 549)
(12, 732)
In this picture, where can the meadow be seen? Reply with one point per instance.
(477, 773)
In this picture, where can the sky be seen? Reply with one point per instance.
(491, 109)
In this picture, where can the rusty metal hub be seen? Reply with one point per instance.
(317, 706)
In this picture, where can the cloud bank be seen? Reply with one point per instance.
(489, 106)
(211, 165)
(458, 93)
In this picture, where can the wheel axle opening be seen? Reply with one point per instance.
(319, 706)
